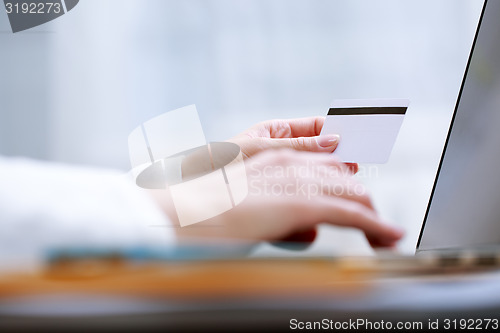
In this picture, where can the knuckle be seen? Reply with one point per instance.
(365, 199)
(334, 161)
(300, 143)
(358, 214)
(359, 192)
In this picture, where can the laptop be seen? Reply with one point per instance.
(464, 208)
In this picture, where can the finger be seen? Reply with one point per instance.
(311, 126)
(333, 160)
(294, 128)
(347, 213)
(323, 173)
(347, 188)
(307, 236)
(320, 175)
(353, 167)
(323, 144)
(326, 176)
(325, 161)
(297, 241)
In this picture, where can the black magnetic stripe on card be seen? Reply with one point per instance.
(366, 111)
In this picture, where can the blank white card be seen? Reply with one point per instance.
(368, 128)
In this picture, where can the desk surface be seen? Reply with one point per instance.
(254, 294)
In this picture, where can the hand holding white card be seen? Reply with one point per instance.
(368, 128)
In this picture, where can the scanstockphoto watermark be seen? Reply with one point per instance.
(360, 324)
(27, 14)
(431, 324)
(307, 180)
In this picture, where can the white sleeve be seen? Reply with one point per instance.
(45, 206)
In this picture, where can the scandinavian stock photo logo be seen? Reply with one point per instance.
(27, 14)
(204, 179)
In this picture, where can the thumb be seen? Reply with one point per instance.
(323, 143)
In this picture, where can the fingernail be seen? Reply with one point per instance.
(330, 140)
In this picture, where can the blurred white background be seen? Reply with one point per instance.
(73, 89)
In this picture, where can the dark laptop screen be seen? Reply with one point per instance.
(464, 209)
